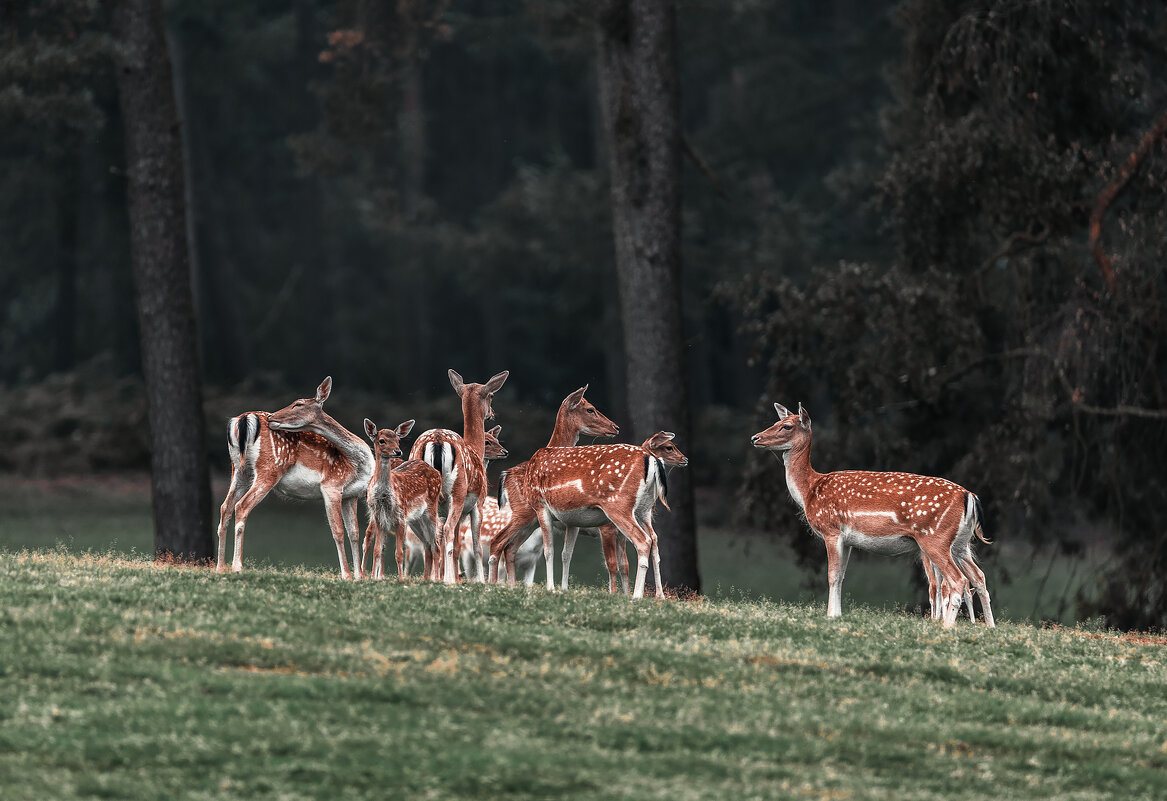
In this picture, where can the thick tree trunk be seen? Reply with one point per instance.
(180, 481)
(640, 102)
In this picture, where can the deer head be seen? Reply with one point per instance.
(482, 394)
(494, 448)
(303, 412)
(387, 441)
(661, 446)
(577, 412)
(790, 430)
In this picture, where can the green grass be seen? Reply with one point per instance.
(100, 516)
(122, 679)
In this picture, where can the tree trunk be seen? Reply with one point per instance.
(180, 482)
(640, 102)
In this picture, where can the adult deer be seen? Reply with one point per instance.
(460, 460)
(409, 550)
(887, 513)
(615, 559)
(576, 417)
(597, 484)
(300, 452)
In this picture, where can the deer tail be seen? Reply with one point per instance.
(976, 515)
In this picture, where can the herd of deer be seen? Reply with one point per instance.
(437, 507)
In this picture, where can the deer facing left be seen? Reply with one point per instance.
(300, 452)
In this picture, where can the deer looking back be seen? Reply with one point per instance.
(888, 513)
(300, 452)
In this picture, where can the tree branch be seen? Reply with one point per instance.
(702, 165)
(1011, 242)
(1112, 190)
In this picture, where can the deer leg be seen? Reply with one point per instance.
(335, 514)
(976, 578)
(837, 555)
(627, 525)
(224, 518)
(371, 548)
(399, 550)
(548, 546)
(654, 544)
(953, 585)
(608, 535)
(348, 512)
(569, 537)
(251, 498)
(622, 565)
(476, 540)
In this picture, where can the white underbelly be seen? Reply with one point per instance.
(893, 545)
(301, 483)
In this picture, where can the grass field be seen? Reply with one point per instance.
(114, 515)
(123, 679)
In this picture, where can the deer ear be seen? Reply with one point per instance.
(496, 382)
(783, 412)
(494, 431)
(656, 439)
(804, 417)
(667, 435)
(456, 381)
(370, 428)
(575, 398)
(404, 429)
(324, 390)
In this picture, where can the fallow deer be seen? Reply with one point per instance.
(460, 461)
(400, 494)
(300, 452)
(410, 550)
(887, 513)
(576, 416)
(597, 484)
(615, 558)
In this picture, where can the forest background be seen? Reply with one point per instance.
(940, 225)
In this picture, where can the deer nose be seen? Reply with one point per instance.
(754, 439)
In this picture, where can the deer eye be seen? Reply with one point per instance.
(788, 426)
(591, 411)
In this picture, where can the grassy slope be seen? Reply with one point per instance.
(122, 679)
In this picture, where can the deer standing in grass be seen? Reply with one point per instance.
(460, 460)
(597, 484)
(576, 417)
(400, 494)
(300, 452)
(887, 513)
(409, 550)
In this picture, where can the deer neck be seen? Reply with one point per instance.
(473, 422)
(348, 443)
(800, 476)
(565, 434)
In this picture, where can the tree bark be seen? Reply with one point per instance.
(180, 481)
(640, 104)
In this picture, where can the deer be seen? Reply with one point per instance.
(615, 559)
(411, 551)
(400, 494)
(460, 461)
(887, 513)
(597, 484)
(576, 416)
(300, 452)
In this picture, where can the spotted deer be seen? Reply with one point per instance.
(400, 494)
(300, 452)
(576, 416)
(597, 484)
(410, 550)
(887, 513)
(460, 461)
(615, 558)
